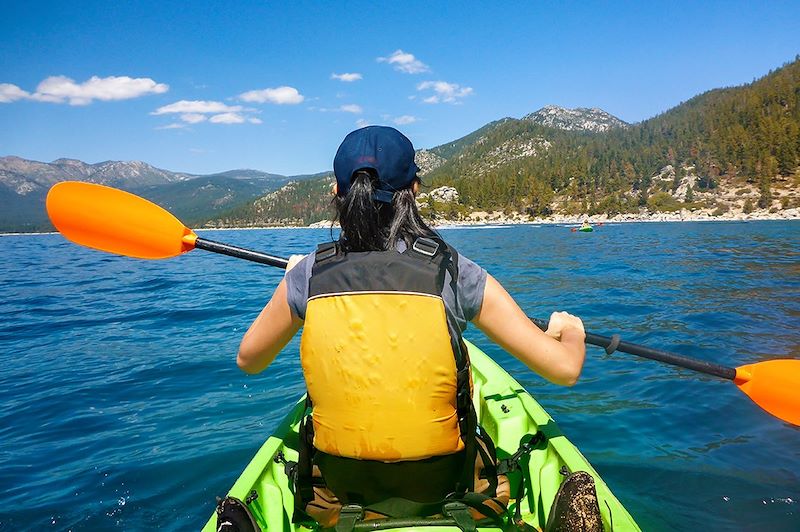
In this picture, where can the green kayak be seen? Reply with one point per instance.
(505, 410)
(586, 229)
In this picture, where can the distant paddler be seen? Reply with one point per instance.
(585, 227)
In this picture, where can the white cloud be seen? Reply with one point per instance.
(227, 118)
(444, 92)
(172, 126)
(60, 89)
(196, 106)
(405, 62)
(196, 111)
(11, 93)
(347, 76)
(347, 108)
(351, 108)
(362, 122)
(278, 95)
(193, 118)
(405, 119)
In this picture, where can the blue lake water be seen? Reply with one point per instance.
(121, 406)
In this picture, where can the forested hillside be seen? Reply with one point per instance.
(747, 135)
(296, 203)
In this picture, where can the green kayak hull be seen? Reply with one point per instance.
(586, 229)
(505, 410)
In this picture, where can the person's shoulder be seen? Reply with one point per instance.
(308, 261)
(302, 269)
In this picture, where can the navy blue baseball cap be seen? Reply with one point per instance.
(382, 149)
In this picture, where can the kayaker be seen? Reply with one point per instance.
(384, 308)
(586, 225)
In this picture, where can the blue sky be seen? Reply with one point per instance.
(204, 87)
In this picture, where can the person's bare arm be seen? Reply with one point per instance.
(269, 333)
(556, 355)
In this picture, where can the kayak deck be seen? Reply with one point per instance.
(505, 410)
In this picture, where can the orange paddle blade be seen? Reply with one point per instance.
(116, 221)
(773, 385)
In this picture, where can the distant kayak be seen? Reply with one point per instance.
(582, 229)
(506, 411)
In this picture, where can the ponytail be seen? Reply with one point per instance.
(371, 225)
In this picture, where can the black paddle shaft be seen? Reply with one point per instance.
(240, 253)
(611, 344)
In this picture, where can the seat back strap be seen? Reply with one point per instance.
(459, 512)
(349, 515)
(400, 507)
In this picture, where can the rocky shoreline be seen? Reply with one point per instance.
(500, 218)
(482, 219)
(678, 216)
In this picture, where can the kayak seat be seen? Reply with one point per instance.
(363, 496)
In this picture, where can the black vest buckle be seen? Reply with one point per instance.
(325, 251)
(425, 246)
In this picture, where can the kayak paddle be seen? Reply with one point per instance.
(112, 220)
(119, 222)
(774, 385)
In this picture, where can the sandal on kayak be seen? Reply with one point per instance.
(575, 506)
(234, 516)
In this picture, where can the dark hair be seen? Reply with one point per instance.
(371, 225)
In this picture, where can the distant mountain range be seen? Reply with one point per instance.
(193, 198)
(727, 148)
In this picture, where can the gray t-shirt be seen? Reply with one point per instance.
(470, 285)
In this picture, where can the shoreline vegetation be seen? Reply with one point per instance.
(482, 219)
(499, 218)
(442, 207)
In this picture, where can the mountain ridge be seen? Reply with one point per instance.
(577, 119)
(193, 198)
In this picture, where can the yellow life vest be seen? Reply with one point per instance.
(383, 361)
